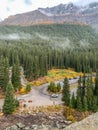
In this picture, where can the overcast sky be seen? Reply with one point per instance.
(11, 7)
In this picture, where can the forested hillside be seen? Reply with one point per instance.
(43, 47)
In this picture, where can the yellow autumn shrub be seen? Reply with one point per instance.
(22, 90)
(71, 118)
(93, 79)
(56, 75)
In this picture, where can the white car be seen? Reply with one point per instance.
(54, 95)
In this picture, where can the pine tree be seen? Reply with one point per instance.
(66, 92)
(2, 72)
(79, 90)
(96, 84)
(94, 107)
(79, 104)
(83, 85)
(79, 96)
(73, 101)
(13, 75)
(58, 87)
(6, 73)
(16, 75)
(89, 92)
(85, 104)
(9, 103)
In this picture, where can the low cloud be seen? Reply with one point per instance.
(43, 37)
(15, 36)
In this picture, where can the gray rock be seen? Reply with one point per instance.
(51, 117)
(20, 125)
(27, 128)
(8, 128)
(67, 122)
(34, 127)
(14, 127)
(44, 129)
(63, 126)
(54, 129)
(57, 125)
(40, 126)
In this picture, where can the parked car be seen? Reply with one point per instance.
(54, 96)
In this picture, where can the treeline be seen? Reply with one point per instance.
(73, 32)
(86, 97)
(48, 48)
(36, 61)
(10, 81)
(9, 74)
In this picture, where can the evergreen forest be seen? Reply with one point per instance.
(42, 47)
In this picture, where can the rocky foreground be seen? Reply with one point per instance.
(46, 122)
(89, 123)
(38, 121)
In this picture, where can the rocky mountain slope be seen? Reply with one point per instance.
(68, 13)
(30, 18)
(70, 8)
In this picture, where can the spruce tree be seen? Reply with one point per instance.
(73, 101)
(79, 104)
(96, 84)
(66, 92)
(16, 81)
(2, 72)
(6, 73)
(9, 102)
(79, 96)
(58, 87)
(85, 104)
(89, 92)
(83, 85)
(94, 107)
(79, 90)
(13, 75)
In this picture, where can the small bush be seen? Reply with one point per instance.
(28, 88)
(16, 103)
(71, 118)
(54, 88)
(22, 90)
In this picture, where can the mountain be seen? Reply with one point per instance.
(29, 18)
(60, 9)
(65, 9)
(63, 13)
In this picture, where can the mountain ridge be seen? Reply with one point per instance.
(71, 8)
(63, 13)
